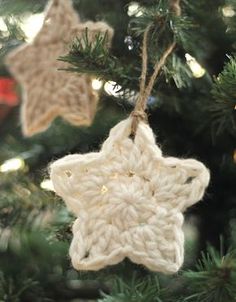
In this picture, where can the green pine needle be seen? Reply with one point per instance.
(214, 278)
(224, 93)
(137, 290)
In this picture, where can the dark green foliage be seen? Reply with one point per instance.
(8, 40)
(214, 278)
(90, 57)
(97, 60)
(147, 290)
(94, 58)
(192, 117)
(223, 108)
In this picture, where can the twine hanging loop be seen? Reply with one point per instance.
(139, 114)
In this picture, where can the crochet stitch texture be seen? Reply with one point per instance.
(128, 200)
(48, 92)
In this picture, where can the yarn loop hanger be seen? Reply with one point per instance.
(139, 114)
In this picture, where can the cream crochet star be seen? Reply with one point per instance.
(48, 92)
(129, 201)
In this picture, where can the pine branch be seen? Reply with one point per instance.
(10, 38)
(164, 22)
(95, 59)
(35, 231)
(214, 278)
(10, 291)
(178, 71)
(136, 290)
(223, 108)
(25, 208)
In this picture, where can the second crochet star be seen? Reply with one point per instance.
(48, 92)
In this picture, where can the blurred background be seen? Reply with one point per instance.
(192, 112)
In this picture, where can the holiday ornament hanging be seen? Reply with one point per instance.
(128, 198)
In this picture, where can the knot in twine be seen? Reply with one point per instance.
(139, 113)
(138, 116)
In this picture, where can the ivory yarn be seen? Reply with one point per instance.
(129, 201)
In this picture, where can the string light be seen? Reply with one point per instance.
(3, 26)
(129, 41)
(13, 164)
(31, 25)
(112, 88)
(97, 84)
(197, 70)
(234, 156)
(134, 10)
(228, 11)
(47, 185)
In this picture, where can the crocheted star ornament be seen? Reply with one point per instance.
(48, 92)
(129, 201)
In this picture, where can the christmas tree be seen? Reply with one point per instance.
(63, 87)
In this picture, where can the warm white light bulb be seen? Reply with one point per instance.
(134, 9)
(228, 11)
(31, 25)
(47, 185)
(13, 164)
(112, 88)
(197, 70)
(234, 156)
(3, 26)
(97, 84)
